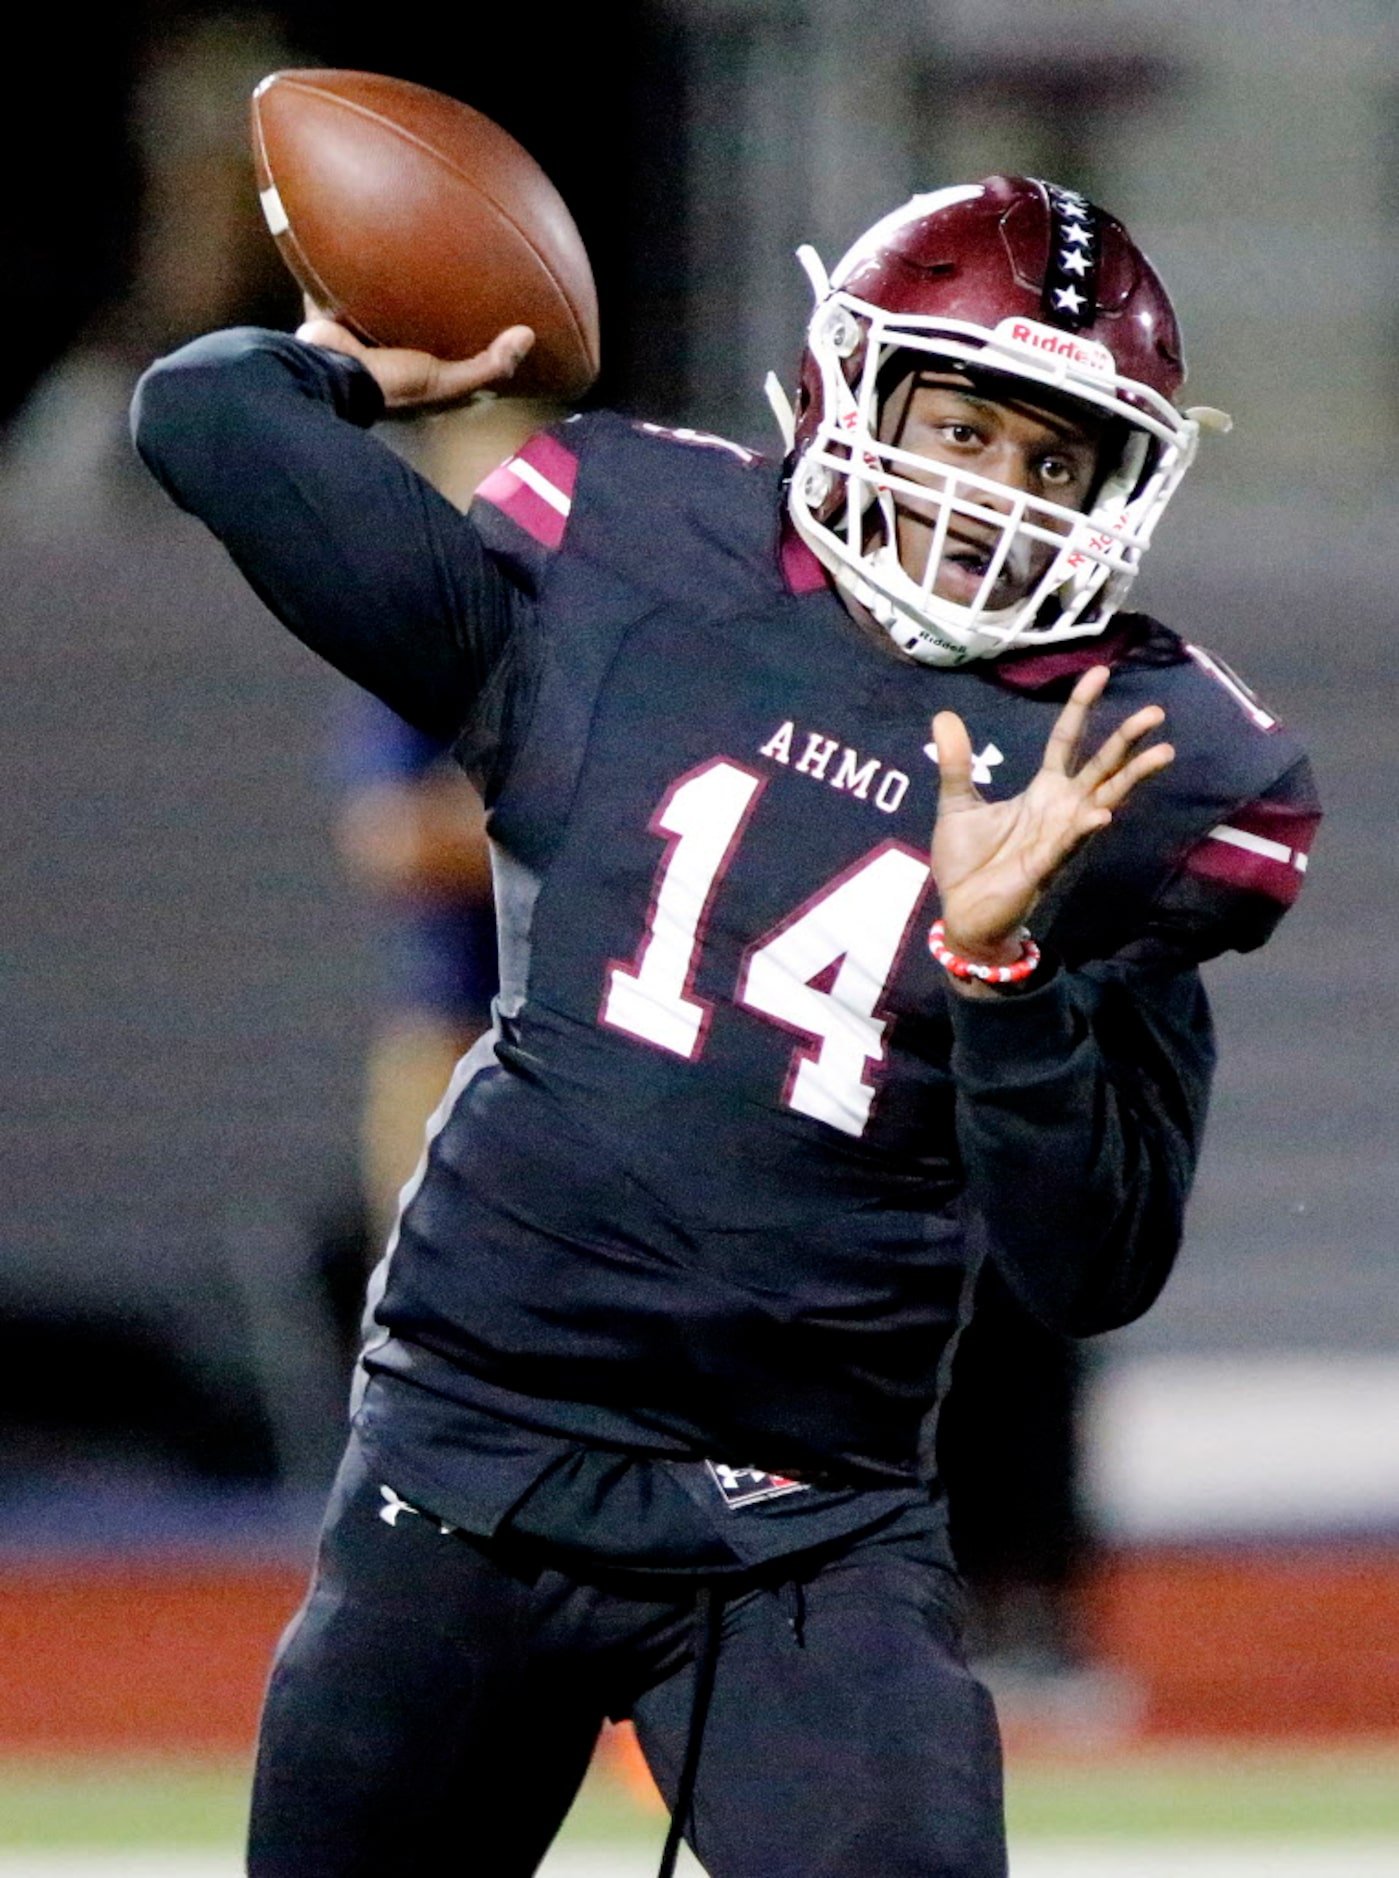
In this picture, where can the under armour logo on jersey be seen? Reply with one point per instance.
(745, 1486)
(982, 764)
(393, 1506)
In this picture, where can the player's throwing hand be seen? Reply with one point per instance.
(992, 860)
(416, 381)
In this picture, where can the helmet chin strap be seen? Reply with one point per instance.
(781, 407)
(917, 633)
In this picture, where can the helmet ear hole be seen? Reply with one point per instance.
(842, 331)
(817, 483)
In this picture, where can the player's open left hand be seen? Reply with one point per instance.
(993, 860)
(416, 381)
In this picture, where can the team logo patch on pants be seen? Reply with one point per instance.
(745, 1486)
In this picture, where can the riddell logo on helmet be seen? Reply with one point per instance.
(1085, 353)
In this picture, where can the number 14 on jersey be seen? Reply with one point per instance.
(822, 972)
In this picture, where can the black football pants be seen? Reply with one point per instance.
(434, 1705)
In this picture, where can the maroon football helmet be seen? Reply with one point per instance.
(1029, 291)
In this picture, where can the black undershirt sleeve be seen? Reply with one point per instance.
(1080, 1110)
(1081, 1104)
(265, 440)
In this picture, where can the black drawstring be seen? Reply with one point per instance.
(794, 1597)
(710, 1604)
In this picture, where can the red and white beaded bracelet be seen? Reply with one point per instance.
(988, 974)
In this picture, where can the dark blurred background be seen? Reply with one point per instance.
(187, 973)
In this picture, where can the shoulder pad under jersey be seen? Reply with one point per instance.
(678, 515)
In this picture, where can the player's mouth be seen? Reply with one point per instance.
(965, 565)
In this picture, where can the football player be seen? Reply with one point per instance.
(645, 1412)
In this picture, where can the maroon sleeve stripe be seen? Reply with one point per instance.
(556, 464)
(1239, 854)
(535, 489)
(1283, 822)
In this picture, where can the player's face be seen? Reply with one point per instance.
(1029, 448)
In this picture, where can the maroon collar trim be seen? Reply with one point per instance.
(1133, 639)
(801, 570)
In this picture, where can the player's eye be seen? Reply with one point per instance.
(1058, 472)
(958, 432)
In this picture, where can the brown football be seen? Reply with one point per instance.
(416, 221)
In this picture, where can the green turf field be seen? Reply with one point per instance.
(1213, 1793)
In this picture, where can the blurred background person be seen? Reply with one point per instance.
(411, 832)
(191, 253)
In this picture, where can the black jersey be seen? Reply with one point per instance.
(719, 1182)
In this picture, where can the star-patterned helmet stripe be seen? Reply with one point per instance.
(1070, 295)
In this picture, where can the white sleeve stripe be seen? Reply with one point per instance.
(541, 485)
(1259, 844)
